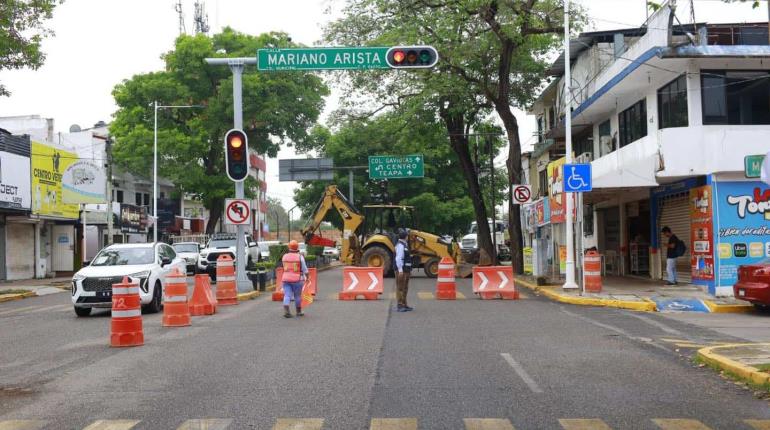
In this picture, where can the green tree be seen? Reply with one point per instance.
(278, 108)
(493, 58)
(21, 32)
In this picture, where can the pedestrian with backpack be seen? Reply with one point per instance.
(674, 249)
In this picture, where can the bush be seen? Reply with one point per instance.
(276, 252)
(315, 250)
(310, 260)
(266, 265)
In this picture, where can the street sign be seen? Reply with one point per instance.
(237, 212)
(522, 194)
(306, 169)
(322, 58)
(752, 165)
(577, 178)
(396, 166)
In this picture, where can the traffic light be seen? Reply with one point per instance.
(411, 57)
(236, 155)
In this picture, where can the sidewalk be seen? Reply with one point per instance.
(748, 362)
(641, 295)
(14, 290)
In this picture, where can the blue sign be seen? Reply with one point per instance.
(577, 178)
(679, 305)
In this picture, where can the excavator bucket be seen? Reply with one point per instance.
(464, 270)
(320, 241)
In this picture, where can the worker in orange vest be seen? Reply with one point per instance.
(294, 275)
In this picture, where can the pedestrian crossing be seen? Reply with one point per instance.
(382, 424)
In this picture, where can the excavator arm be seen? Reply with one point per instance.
(351, 220)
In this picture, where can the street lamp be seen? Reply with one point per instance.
(289, 214)
(155, 164)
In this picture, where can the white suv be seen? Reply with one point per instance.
(224, 243)
(146, 263)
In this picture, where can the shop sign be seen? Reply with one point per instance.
(701, 233)
(48, 166)
(743, 228)
(133, 219)
(84, 181)
(528, 266)
(562, 259)
(542, 212)
(557, 199)
(14, 181)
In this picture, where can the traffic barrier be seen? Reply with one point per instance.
(492, 282)
(203, 301)
(278, 292)
(446, 287)
(361, 281)
(227, 291)
(176, 311)
(126, 325)
(592, 272)
(311, 283)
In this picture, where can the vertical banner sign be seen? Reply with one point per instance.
(743, 227)
(528, 263)
(701, 233)
(48, 166)
(562, 259)
(555, 171)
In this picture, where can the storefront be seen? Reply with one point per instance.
(17, 234)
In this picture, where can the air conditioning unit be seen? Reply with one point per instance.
(584, 158)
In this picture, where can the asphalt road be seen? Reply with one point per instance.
(469, 363)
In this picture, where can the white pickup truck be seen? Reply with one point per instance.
(469, 245)
(224, 243)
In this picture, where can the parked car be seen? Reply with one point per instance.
(303, 248)
(469, 244)
(754, 284)
(264, 248)
(146, 263)
(225, 243)
(332, 252)
(189, 252)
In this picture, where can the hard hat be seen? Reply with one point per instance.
(293, 245)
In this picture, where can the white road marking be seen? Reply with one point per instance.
(13, 311)
(374, 281)
(484, 281)
(354, 283)
(658, 324)
(522, 373)
(615, 329)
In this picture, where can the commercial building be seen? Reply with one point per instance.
(666, 115)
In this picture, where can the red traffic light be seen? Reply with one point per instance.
(398, 57)
(411, 57)
(236, 155)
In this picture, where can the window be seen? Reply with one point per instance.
(542, 182)
(632, 123)
(606, 145)
(138, 199)
(540, 129)
(120, 196)
(146, 199)
(735, 97)
(672, 104)
(584, 144)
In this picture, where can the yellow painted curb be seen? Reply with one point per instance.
(248, 296)
(743, 371)
(727, 309)
(646, 305)
(16, 296)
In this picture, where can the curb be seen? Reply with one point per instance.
(645, 306)
(16, 296)
(251, 295)
(748, 373)
(716, 308)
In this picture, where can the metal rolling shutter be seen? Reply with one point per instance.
(675, 213)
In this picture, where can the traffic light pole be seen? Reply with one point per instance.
(236, 67)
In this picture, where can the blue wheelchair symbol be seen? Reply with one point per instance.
(577, 178)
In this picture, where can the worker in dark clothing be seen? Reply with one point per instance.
(674, 249)
(403, 269)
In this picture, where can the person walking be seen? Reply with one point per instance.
(294, 275)
(673, 250)
(403, 264)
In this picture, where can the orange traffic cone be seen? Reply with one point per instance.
(227, 292)
(176, 312)
(446, 288)
(278, 292)
(126, 325)
(203, 301)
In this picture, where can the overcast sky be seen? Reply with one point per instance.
(98, 43)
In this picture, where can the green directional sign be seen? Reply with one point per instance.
(752, 165)
(355, 58)
(396, 166)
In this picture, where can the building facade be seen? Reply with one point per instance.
(666, 115)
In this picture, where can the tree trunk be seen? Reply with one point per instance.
(459, 141)
(514, 177)
(214, 214)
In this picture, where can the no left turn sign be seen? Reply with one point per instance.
(237, 212)
(522, 194)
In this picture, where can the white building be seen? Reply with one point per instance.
(666, 116)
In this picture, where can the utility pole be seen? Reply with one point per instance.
(108, 152)
(569, 282)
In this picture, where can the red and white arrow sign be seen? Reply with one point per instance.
(492, 278)
(374, 281)
(353, 284)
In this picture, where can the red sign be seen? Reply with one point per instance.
(522, 194)
(237, 212)
(494, 281)
(701, 233)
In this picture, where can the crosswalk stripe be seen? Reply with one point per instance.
(299, 424)
(487, 424)
(425, 295)
(680, 424)
(758, 424)
(205, 424)
(583, 424)
(22, 425)
(112, 425)
(394, 424)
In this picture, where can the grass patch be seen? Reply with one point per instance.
(754, 386)
(764, 367)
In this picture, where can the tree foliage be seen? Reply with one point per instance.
(21, 32)
(278, 108)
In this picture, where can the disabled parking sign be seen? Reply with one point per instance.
(577, 178)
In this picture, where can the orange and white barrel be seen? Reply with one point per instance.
(126, 325)
(592, 272)
(176, 310)
(446, 286)
(227, 292)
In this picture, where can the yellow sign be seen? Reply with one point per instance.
(48, 166)
(528, 266)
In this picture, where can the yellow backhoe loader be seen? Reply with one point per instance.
(369, 239)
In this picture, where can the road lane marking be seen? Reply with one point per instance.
(13, 311)
(583, 424)
(112, 425)
(522, 373)
(658, 324)
(758, 424)
(299, 424)
(393, 424)
(22, 425)
(620, 331)
(487, 424)
(680, 424)
(425, 295)
(51, 308)
(205, 424)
